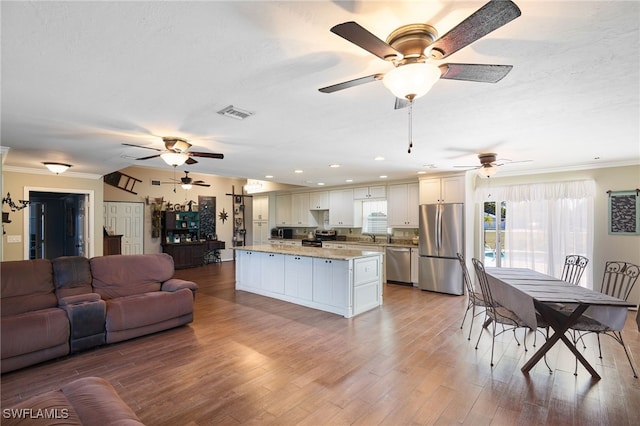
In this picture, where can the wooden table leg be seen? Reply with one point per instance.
(560, 324)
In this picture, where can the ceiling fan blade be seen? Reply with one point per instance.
(360, 36)
(351, 83)
(190, 161)
(489, 17)
(149, 157)
(483, 73)
(201, 184)
(140, 146)
(206, 154)
(401, 103)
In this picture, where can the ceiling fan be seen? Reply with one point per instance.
(489, 164)
(176, 152)
(412, 48)
(186, 182)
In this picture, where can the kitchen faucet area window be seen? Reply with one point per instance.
(374, 217)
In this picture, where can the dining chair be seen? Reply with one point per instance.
(618, 281)
(497, 313)
(475, 299)
(574, 266)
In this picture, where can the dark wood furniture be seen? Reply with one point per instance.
(111, 244)
(192, 254)
(527, 292)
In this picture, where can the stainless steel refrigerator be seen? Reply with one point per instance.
(441, 238)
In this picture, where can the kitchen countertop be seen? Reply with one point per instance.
(325, 253)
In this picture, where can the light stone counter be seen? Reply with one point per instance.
(324, 253)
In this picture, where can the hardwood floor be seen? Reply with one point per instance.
(250, 359)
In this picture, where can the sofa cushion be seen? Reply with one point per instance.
(149, 308)
(50, 408)
(98, 403)
(71, 275)
(26, 285)
(129, 274)
(33, 331)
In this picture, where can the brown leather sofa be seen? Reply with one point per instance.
(86, 401)
(53, 308)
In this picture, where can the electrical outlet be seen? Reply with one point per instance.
(14, 238)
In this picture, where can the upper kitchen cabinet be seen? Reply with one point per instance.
(368, 192)
(300, 213)
(343, 212)
(283, 209)
(260, 207)
(403, 205)
(319, 200)
(442, 190)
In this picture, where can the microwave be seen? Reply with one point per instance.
(284, 233)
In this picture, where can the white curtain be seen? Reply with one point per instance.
(547, 221)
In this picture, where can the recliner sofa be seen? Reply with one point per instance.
(53, 308)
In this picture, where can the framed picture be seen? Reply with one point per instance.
(623, 212)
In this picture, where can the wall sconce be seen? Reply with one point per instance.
(56, 168)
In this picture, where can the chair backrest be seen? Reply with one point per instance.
(619, 279)
(465, 275)
(484, 285)
(574, 266)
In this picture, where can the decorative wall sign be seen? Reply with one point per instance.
(207, 209)
(624, 207)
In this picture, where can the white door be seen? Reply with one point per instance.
(126, 219)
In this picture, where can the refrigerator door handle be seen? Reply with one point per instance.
(438, 227)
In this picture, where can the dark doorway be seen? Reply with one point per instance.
(57, 225)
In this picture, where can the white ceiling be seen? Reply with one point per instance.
(81, 78)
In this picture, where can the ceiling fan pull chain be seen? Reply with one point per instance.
(410, 125)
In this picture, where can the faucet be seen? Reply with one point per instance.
(372, 236)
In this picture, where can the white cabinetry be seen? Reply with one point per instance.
(300, 213)
(331, 282)
(415, 258)
(367, 294)
(283, 209)
(260, 232)
(248, 269)
(319, 200)
(442, 190)
(297, 270)
(403, 206)
(343, 212)
(260, 207)
(367, 192)
(272, 270)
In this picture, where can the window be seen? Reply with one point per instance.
(543, 224)
(374, 217)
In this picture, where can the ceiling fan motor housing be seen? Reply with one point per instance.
(412, 40)
(487, 158)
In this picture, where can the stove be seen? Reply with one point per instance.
(320, 236)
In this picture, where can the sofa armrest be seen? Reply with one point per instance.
(175, 284)
(78, 299)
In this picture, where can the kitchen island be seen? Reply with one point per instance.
(343, 282)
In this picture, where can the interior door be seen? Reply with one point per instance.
(126, 219)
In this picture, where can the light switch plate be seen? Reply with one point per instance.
(14, 238)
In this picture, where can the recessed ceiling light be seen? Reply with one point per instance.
(383, 176)
(297, 171)
(320, 183)
(348, 180)
(379, 158)
(335, 166)
(421, 172)
(269, 176)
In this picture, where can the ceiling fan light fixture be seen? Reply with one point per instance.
(187, 186)
(174, 158)
(56, 168)
(487, 171)
(411, 81)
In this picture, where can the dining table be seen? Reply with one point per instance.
(535, 296)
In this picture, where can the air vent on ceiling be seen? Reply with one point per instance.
(236, 113)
